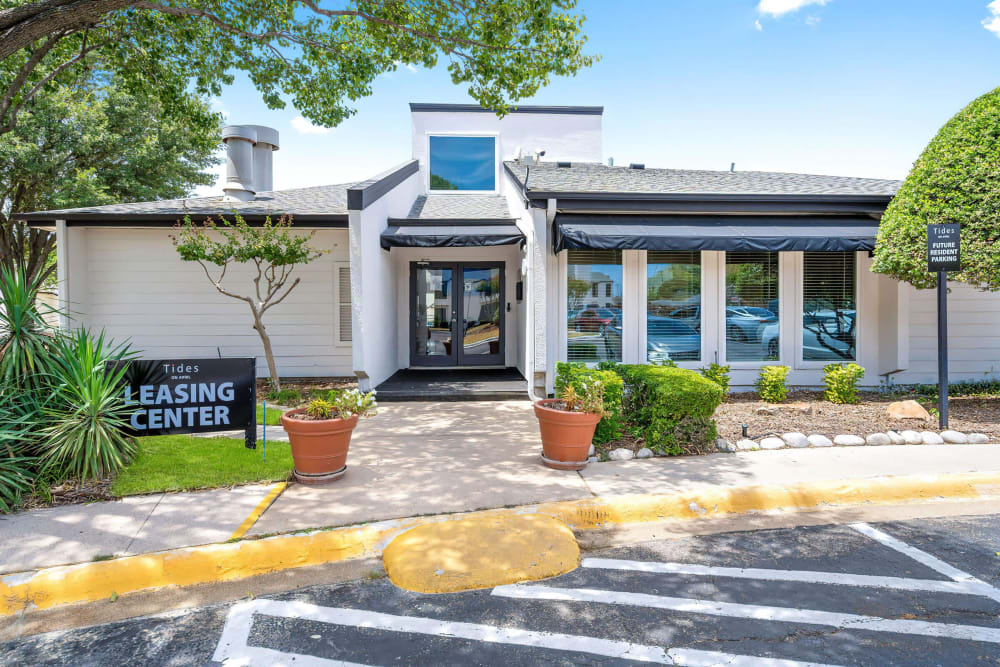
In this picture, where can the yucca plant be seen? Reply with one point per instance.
(19, 411)
(87, 416)
(24, 333)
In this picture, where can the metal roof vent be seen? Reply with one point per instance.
(637, 165)
(248, 160)
(564, 165)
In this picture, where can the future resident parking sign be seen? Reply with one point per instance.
(943, 248)
(191, 396)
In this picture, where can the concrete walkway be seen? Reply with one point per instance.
(434, 458)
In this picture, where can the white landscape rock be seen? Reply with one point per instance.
(817, 440)
(912, 437)
(772, 443)
(954, 437)
(594, 459)
(724, 445)
(896, 438)
(591, 451)
(978, 438)
(795, 439)
(644, 453)
(621, 454)
(848, 440)
(747, 445)
(931, 438)
(878, 439)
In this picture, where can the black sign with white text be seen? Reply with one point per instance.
(943, 251)
(191, 396)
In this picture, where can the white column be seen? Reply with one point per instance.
(62, 273)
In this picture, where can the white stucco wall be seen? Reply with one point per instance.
(374, 286)
(131, 283)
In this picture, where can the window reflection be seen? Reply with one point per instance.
(594, 305)
(673, 306)
(462, 163)
(751, 308)
(829, 306)
(481, 305)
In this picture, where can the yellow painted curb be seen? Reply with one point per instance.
(238, 560)
(257, 511)
(480, 552)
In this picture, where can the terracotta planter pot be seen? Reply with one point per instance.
(566, 436)
(319, 448)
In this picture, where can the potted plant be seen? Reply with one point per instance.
(320, 434)
(567, 424)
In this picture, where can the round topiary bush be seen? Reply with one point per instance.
(955, 180)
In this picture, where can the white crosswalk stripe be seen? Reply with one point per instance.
(233, 648)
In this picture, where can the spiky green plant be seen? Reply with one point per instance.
(87, 417)
(19, 410)
(24, 333)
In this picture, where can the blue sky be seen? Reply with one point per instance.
(846, 87)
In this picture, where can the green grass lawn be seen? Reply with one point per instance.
(273, 416)
(184, 463)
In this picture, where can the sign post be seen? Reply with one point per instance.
(943, 255)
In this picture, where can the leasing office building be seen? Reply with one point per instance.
(512, 243)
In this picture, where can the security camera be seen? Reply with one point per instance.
(540, 152)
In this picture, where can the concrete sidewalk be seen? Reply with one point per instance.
(435, 458)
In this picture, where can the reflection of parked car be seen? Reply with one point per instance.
(593, 319)
(824, 336)
(666, 338)
(744, 323)
(689, 315)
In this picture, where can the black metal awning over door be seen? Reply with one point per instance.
(714, 232)
(450, 234)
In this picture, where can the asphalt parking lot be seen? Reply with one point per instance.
(920, 592)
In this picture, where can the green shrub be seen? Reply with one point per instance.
(576, 375)
(771, 385)
(672, 406)
(84, 433)
(284, 397)
(24, 334)
(18, 442)
(719, 375)
(842, 382)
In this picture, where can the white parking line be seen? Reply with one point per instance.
(752, 611)
(930, 561)
(799, 576)
(233, 648)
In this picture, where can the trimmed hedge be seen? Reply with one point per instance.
(574, 374)
(673, 407)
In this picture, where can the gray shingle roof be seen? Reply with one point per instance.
(315, 201)
(599, 178)
(459, 207)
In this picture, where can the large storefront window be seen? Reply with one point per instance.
(829, 306)
(751, 308)
(594, 305)
(673, 306)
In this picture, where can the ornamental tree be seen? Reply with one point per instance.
(272, 250)
(955, 180)
(320, 58)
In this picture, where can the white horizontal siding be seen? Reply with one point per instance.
(138, 289)
(973, 335)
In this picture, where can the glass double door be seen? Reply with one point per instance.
(457, 314)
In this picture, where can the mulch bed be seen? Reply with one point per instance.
(966, 414)
(72, 492)
(308, 388)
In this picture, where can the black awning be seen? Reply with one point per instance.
(714, 232)
(400, 234)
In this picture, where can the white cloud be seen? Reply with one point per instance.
(992, 23)
(757, 25)
(812, 21)
(218, 107)
(305, 127)
(777, 8)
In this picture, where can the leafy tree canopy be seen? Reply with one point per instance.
(319, 58)
(955, 180)
(97, 142)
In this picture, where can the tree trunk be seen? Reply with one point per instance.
(272, 368)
